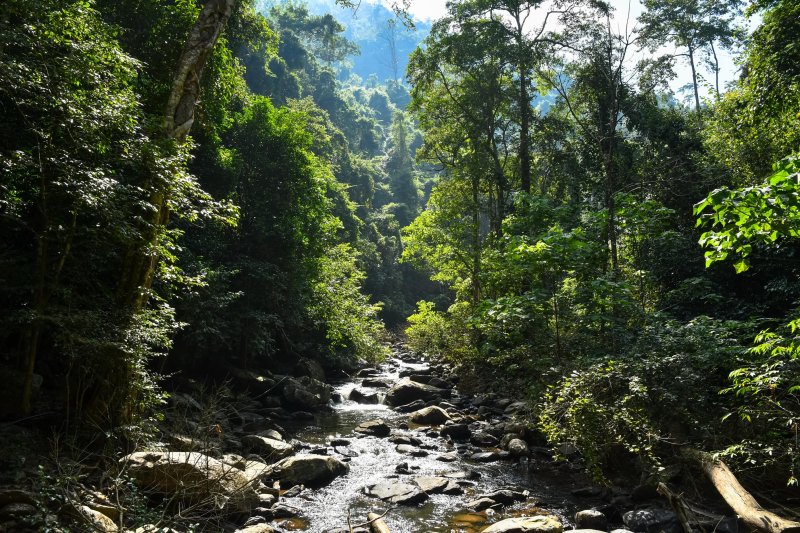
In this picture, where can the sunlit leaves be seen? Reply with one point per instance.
(740, 218)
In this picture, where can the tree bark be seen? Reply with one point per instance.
(741, 501)
(694, 80)
(185, 93)
(377, 525)
(113, 401)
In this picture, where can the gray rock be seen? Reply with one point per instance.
(480, 504)
(406, 391)
(534, 524)
(416, 405)
(405, 439)
(376, 428)
(272, 434)
(360, 396)
(266, 447)
(487, 457)
(257, 528)
(311, 470)
(432, 484)
(505, 496)
(16, 510)
(591, 519)
(517, 448)
(588, 492)
(306, 393)
(483, 439)
(309, 367)
(434, 416)
(375, 383)
(455, 431)
(652, 521)
(396, 492)
(193, 476)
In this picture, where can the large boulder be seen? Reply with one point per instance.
(406, 391)
(311, 470)
(309, 367)
(434, 416)
(248, 380)
(533, 524)
(193, 476)
(306, 393)
(267, 447)
(360, 396)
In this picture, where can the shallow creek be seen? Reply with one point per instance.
(374, 459)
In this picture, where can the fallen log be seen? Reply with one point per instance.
(741, 501)
(376, 523)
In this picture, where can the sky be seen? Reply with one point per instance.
(433, 9)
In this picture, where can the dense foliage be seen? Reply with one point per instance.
(248, 244)
(570, 243)
(529, 200)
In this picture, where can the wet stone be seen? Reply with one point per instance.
(405, 439)
(376, 428)
(432, 484)
(345, 451)
(396, 492)
(505, 496)
(483, 439)
(455, 431)
(488, 457)
(535, 524)
(375, 383)
(359, 396)
(481, 504)
(410, 407)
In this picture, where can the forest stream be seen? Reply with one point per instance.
(416, 454)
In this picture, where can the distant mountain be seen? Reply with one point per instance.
(371, 28)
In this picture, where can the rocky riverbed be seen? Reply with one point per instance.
(293, 453)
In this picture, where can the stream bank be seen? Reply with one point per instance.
(291, 453)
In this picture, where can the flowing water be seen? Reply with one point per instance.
(374, 459)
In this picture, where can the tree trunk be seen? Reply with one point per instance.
(694, 80)
(185, 93)
(476, 242)
(115, 396)
(716, 70)
(742, 503)
(524, 149)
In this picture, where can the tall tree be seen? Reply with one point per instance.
(522, 28)
(694, 26)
